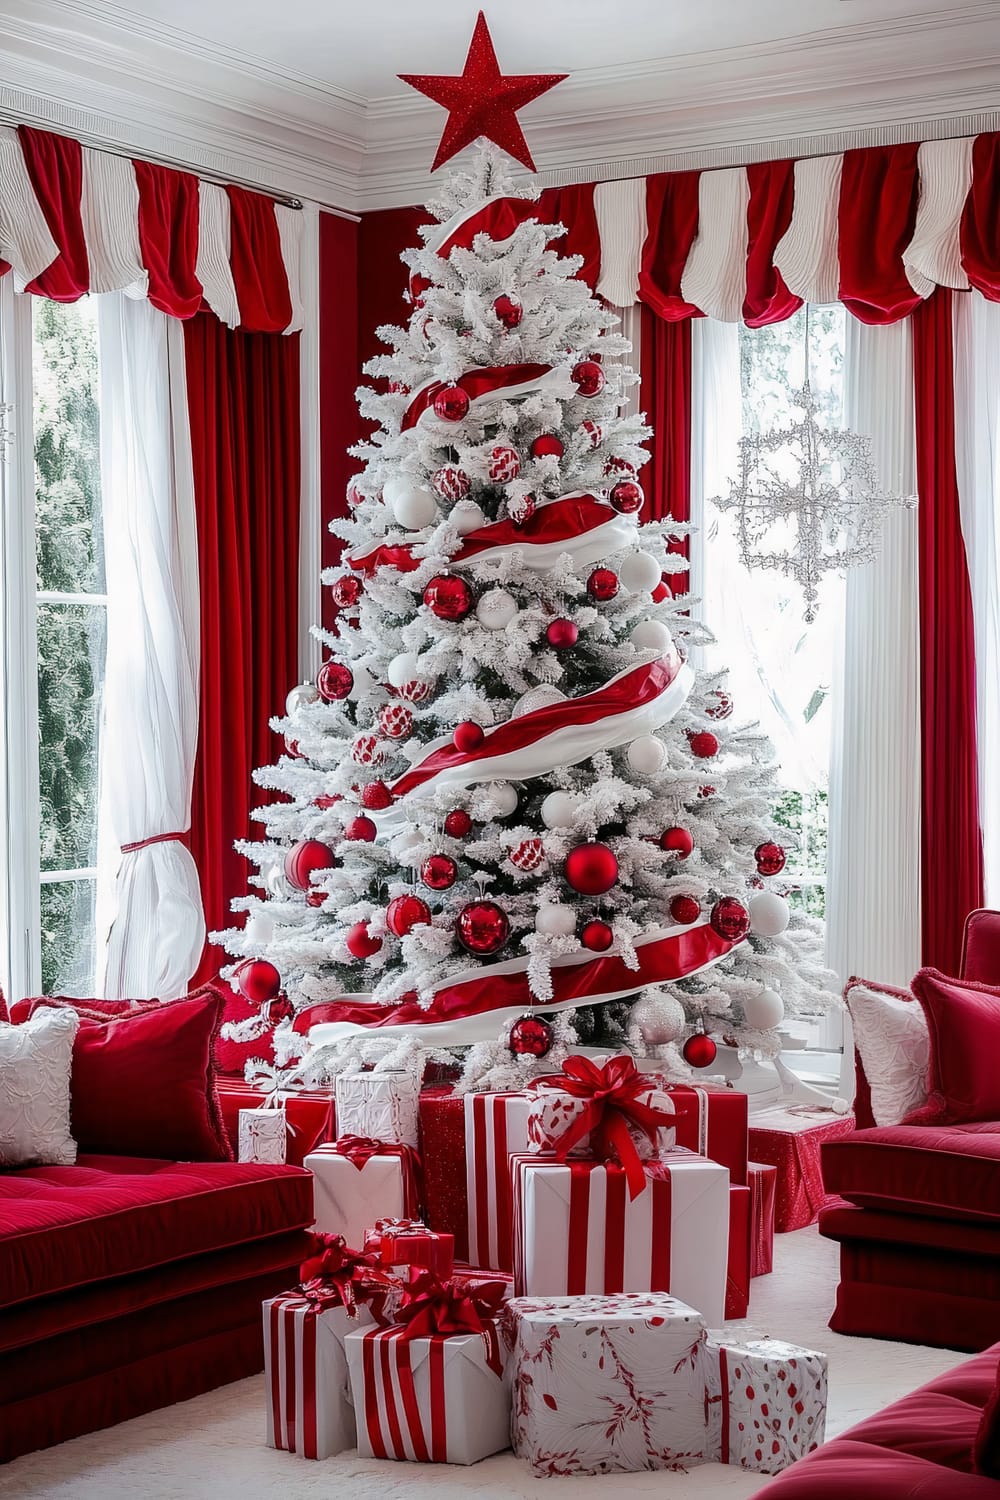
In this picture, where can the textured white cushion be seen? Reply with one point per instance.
(892, 1039)
(36, 1061)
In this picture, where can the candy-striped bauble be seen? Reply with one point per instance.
(395, 721)
(503, 465)
(366, 751)
(722, 706)
(594, 431)
(415, 691)
(451, 483)
(528, 855)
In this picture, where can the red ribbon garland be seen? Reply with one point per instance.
(560, 521)
(433, 1308)
(401, 558)
(611, 1103)
(492, 380)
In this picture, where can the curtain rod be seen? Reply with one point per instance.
(220, 179)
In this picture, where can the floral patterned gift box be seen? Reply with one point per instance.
(765, 1402)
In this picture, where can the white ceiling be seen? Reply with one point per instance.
(303, 95)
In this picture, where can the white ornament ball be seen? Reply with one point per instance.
(769, 914)
(394, 486)
(467, 516)
(555, 920)
(640, 573)
(537, 697)
(647, 755)
(403, 668)
(504, 798)
(652, 635)
(559, 809)
(415, 508)
(660, 1019)
(764, 1010)
(306, 692)
(496, 609)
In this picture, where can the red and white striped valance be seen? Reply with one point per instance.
(76, 220)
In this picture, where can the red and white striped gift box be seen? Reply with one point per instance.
(305, 1373)
(495, 1126)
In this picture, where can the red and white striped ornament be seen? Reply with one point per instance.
(451, 483)
(366, 751)
(594, 431)
(617, 465)
(503, 465)
(528, 855)
(395, 721)
(416, 691)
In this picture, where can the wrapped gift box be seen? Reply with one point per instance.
(263, 1135)
(404, 1246)
(382, 1105)
(429, 1400)
(495, 1126)
(576, 1230)
(605, 1384)
(791, 1139)
(713, 1122)
(738, 1266)
(763, 1182)
(765, 1402)
(350, 1194)
(442, 1137)
(305, 1372)
(309, 1114)
(553, 1113)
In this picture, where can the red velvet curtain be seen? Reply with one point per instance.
(243, 401)
(951, 841)
(665, 370)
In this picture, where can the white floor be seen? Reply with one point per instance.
(212, 1448)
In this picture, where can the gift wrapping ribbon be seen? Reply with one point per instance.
(336, 1276)
(724, 1407)
(432, 1307)
(285, 1314)
(359, 1150)
(611, 1103)
(500, 381)
(491, 1206)
(498, 217)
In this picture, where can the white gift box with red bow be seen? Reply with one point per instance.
(305, 1374)
(349, 1198)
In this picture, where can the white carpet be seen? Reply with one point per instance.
(212, 1448)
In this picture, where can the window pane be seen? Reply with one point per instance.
(71, 646)
(69, 545)
(68, 937)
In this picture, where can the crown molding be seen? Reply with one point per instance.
(113, 78)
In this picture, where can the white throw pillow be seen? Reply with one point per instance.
(894, 1044)
(36, 1061)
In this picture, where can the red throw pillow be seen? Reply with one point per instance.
(144, 1081)
(986, 1443)
(963, 1081)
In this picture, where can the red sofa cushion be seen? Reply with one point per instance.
(963, 1081)
(950, 1172)
(65, 1227)
(144, 1079)
(986, 1445)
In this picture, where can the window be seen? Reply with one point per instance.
(54, 642)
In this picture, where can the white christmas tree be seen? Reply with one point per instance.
(508, 789)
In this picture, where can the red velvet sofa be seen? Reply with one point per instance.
(919, 1446)
(916, 1212)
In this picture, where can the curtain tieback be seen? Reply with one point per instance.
(156, 838)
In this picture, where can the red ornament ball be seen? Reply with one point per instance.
(591, 869)
(677, 841)
(730, 919)
(594, 431)
(699, 1050)
(528, 855)
(438, 872)
(457, 823)
(530, 1036)
(504, 464)
(346, 591)
(483, 928)
(597, 936)
(359, 944)
(602, 584)
(661, 592)
(722, 707)
(467, 736)
(508, 311)
(278, 1009)
(361, 831)
(685, 910)
(395, 721)
(448, 597)
(451, 483)
(451, 403)
(626, 496)
(588, 377)
(406, 912)
(259, 981)
(305, 857)
(334, 681)
(770, 859)
(366, 751)
(703, 744)
(547, 446)
(375, 796)
(562, 634)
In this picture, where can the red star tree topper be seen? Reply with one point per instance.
(481, 101)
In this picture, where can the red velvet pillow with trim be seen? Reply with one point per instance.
(963, 1081)
(143, 1080)
(986, 1443)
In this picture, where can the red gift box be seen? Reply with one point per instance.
(309, 1114)
(790, 1139)
(713, 1122)
(442, 1135)
(763, 1182)
(740, 1250)
(412, 1246)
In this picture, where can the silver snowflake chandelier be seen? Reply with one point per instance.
(807, 499)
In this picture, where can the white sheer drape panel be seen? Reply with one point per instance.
(873, 891)
(151, 683)
(977, 458)
(716, 427)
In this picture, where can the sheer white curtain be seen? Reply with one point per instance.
(716, 428)
(873, 894)
(977, 456)
(149, 895)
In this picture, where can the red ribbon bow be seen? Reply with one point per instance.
(612, 1104)
(358, 1148)
(433, 1308)
(337, 1276)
